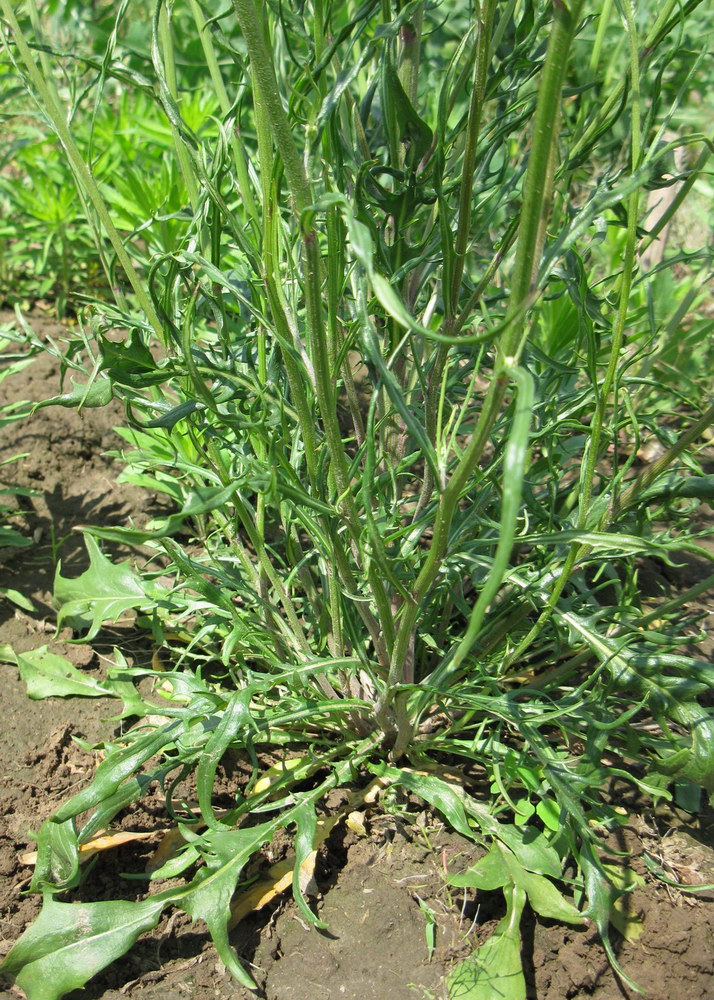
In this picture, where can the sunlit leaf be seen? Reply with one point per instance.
(70, 942)
(494, 971)
(542, 894)
(488, 873)
(438, 793)
(47, 675)
(102, 594)
(209, 895)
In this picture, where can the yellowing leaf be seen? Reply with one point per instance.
(355, 823)
(628, 923)
(273, 775)
(102, 842)
(278, 878)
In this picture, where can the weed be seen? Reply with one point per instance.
(389, 352)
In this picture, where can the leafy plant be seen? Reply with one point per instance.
(391, 370)
(11, 534)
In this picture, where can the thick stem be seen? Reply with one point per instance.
(267, 95)
(577, 551)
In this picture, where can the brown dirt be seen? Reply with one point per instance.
(370, 887)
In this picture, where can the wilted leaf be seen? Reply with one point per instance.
(628, 923)
(169, 847)
(102, 842)
(355, 823)
(274, 774)
(277, 880)
(280, 876)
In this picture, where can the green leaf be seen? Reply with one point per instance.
(412, 130)
(132, 363)
(201, 500)
(94, 394)
(10, 538)
(17, 598)
(548, 811)
(236, 718)
(434, 791)
(176, 413)
(71, 942)
(700, 487)
(601, 896)
(47, 675)
(531, 848)
(487, 874)
(306, 821)
(57, 865)
(542, 894)
(209, 895)
(102, 594)
(494, 971)
(524, 811)
(116, 767)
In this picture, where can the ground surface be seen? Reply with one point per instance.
(370, 885)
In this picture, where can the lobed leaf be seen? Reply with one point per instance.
(101, 594)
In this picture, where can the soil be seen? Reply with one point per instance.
(370, 885)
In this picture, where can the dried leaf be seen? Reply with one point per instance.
(102, 842)
(355, 823)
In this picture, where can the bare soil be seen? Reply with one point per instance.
(370, 886)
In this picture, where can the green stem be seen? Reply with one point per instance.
(577, 551)
(163, 37)
(463, 228)
(541, 162)
(219, 87)
(268, 99)
(268, 94)
(602, 26)
(530, 239)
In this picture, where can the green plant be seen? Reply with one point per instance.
(391, 375)
(11, 535)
